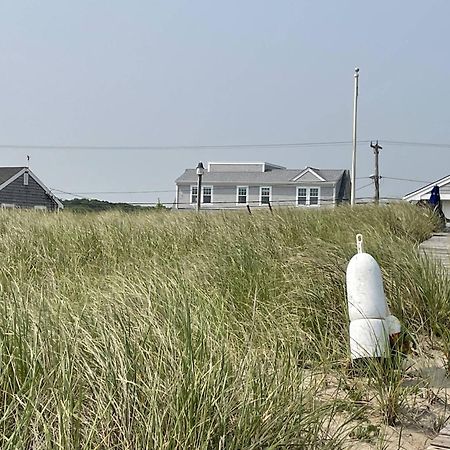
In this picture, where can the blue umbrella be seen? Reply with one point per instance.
(435, 197)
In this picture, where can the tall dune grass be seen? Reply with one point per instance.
(203, 331)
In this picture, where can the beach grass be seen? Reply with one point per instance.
(166, 330)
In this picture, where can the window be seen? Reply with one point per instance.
(8, 205)
(25, 179)
(207, 194)
(242, 194)
(301, 196)
(314, 196)
(265, 195)
(308, 196)
(194, 194)
(40, 207)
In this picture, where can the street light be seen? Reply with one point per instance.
(355, 114)
(200, 172)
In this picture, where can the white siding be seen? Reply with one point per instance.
(446, 208)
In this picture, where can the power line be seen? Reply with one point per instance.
(366, 185)
(61, 191)
(112, 192)
(406, 179)
(179, 147)
(218, 146)
(416, 144)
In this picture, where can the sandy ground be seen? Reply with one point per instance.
(424, 412)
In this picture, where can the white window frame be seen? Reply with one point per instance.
(212, 194)
(8, 205)
(260, 195)
(40, 207)
(308, 196)
(26, 177)
(247, 192)
(193, 186)
(318, 196)
(297, 195)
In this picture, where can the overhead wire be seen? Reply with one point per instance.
(366, 185)
(415, 144)
(218, 146)
(406, 179)
(180, 147)
(221, 146)
(61, 191)
(113, 192)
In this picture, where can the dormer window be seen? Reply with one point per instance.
(25, 178)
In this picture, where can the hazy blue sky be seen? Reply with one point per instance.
(149, 73)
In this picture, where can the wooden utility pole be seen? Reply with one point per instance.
(376, 177)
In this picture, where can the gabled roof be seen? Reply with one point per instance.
(277, 176)
(9, 174)
(417, 194)
(310, 170)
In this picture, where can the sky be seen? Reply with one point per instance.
(178, 76)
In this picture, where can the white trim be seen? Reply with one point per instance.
(13, 178)
(296, 196)
(201, 197)
(212, 194)
(318, 196)
(35, 178)
(190, 194)
(308, 170)
(40, 207)
(177, 195)
(308, 196)
(260, 194)
(8, 206)
(247, 195)
(426, 189)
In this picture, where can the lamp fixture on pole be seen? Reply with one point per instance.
(200, 172)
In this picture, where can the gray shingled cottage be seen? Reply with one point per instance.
(21, 188)
(234, 185)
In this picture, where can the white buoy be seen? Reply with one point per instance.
(393, 325)
(371, 322)
(365, 293)
(369, 338)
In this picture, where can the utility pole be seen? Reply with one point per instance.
(355, 113)
(376, 177)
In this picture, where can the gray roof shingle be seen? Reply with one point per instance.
(272, 176)
(7, 172)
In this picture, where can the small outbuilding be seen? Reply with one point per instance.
(21, 188)
(425, 192)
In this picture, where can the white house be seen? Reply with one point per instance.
(424, 194)
(258, 184)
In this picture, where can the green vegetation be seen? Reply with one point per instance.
(94, 205)
(205, 331)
